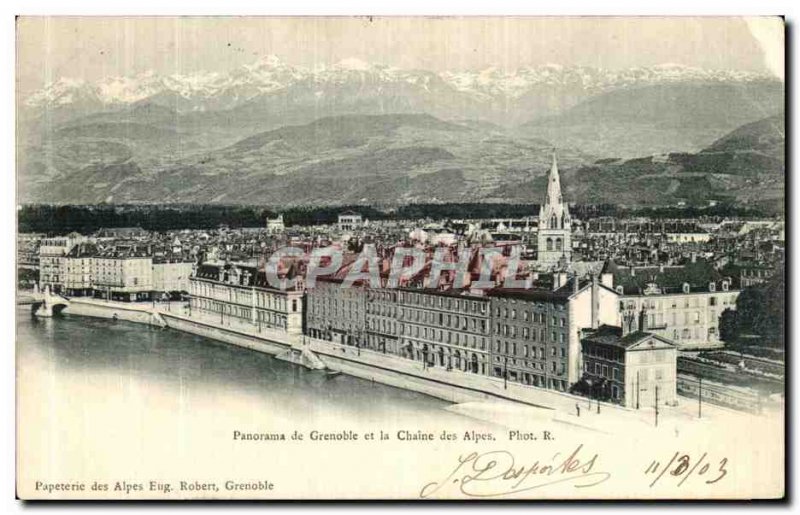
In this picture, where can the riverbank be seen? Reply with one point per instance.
(453, 386)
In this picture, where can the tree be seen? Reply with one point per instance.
(760, 311)
(750, 310)
(728, 326)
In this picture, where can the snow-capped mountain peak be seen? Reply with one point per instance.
(269, 74)
(352, 64)
(267, 61)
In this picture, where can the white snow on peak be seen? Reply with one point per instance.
(271, 60)
(353, 64)
(270, 74)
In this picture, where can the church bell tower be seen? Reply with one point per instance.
(555, 224)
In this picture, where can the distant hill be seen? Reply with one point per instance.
(661, 118)
(767, 136)
(745, 166)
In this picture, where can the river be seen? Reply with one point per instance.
(64, 353)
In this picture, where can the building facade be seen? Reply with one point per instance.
(275, 225)
(171, 276)
(689, 317)
(383, 328)
(123, 275)
(335, 313)
(52, 263)
(240, 294)
(350, 221)
(753, 274)
(78, 277)
(448, 329)
(536, 332)
(633, 368)
(683, 303)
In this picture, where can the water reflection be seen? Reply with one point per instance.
(177, 364)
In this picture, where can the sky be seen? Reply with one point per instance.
(92, 48)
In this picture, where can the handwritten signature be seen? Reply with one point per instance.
(496, 473)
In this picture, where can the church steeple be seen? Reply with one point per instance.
(555, 225)
(553, 183)
(554, 214)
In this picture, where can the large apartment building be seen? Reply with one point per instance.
(536, 332)
(171, 276)
(449, 329)
(242, 294)
(682, 304)
(124, 273)
(383, 328)
(78, 277)
(335, 313)
(52, 262)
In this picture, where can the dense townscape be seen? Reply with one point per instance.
(633, 311)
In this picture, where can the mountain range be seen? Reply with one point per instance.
(215, 90)
(393, 159)
(277, 134)
(351, 86)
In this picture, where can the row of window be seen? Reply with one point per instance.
(602, 370)
(444, 336)
(375, 296)
(600, 351)
(559, 244)
(331, 304)
(264, 318)
(692, 334)
(692, 301)
(383, 326)
(382, 309)
(441, 301)
(335, 290)
(460, 322)
(262, 299)
(532, 352)
(554, 367)
(530, 333)
(533, 316)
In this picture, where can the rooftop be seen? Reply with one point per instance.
(612, 335)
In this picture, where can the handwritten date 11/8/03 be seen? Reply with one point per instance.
(682, 466)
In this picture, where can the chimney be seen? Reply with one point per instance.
(628, 322)
(529, 281)
(643, 320)
(559, 280)
(595, 301)
(575, 283)
(607, 280)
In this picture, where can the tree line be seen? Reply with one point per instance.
(53, 219)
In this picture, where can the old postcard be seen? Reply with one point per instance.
(405, 258)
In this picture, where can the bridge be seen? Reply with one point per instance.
(43, 303)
